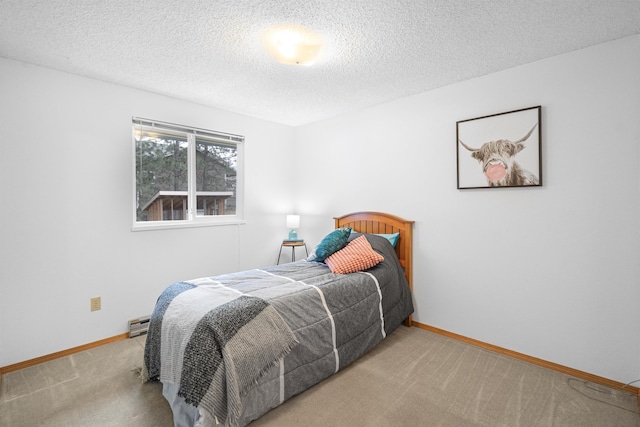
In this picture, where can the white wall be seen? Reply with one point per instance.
(66, 196)
(550, 272)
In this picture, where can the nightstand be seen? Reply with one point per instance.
(293, 244)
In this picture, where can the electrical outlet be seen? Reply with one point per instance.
(95, 304)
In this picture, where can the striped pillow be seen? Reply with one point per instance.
(358, 255)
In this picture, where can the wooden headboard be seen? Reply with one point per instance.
(383, 223)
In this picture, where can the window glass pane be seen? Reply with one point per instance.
(216, 177)
(161, 175)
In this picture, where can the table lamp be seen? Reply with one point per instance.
(293, 222)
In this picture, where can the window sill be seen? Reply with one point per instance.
(170, 225)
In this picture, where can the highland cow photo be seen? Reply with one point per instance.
(500, 150)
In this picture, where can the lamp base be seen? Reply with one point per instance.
(293, 235)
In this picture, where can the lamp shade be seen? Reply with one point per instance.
(293, 221)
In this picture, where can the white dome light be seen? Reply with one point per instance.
(293, 44)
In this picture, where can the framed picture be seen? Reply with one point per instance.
(500, 150)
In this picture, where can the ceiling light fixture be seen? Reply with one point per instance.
(293, 44)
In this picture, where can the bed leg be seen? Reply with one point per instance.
(408, 322)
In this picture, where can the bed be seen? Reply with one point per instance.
(229, 348)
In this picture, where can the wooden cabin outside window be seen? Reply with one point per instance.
(185, 176)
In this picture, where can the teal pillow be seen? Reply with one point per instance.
(331, 243)
(392, 238)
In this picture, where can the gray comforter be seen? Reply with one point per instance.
(302, 324)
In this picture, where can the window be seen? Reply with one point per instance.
(185, 176)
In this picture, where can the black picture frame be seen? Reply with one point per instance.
(500, 150)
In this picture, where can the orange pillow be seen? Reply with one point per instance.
(358, 255)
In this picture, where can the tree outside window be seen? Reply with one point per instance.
(185, 174)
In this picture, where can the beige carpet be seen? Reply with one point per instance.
(414, 378)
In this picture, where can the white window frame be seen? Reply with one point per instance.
(192, 220)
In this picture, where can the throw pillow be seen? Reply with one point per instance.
(358, 255)
(331, 243)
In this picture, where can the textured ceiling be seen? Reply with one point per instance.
(210, 51)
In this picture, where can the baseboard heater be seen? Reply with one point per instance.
(139, 326)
